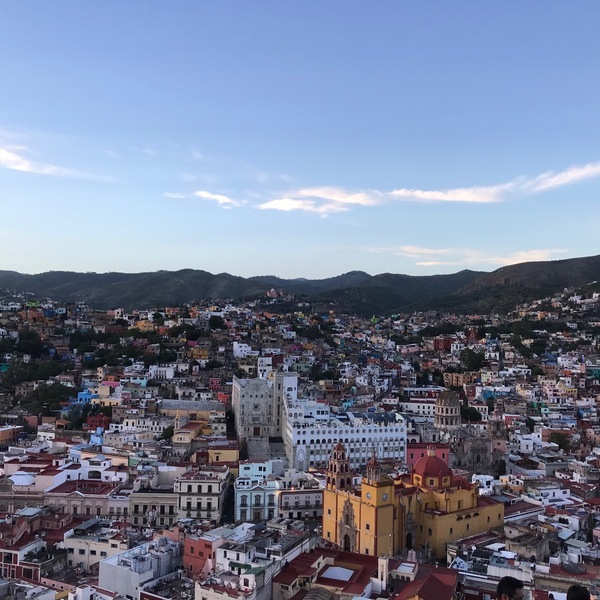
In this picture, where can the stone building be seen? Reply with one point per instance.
(447, 411)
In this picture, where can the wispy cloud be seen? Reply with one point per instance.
(326, 200)
(520, 186)
(433, 257)
(175, 195)
(550, 180)
(480, 195)
(220, 199)
(322, 200)
(12, 158)
(148, 151)
(293, 204)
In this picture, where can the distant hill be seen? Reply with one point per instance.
(465, 291)
(355, 290)
(506, 287)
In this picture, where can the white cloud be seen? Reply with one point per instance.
(473, 194)
(10, 158)
(432, 257)
(322, 200)
(148, 151)
(291, 204)
(111, 153)
(523, 256)
(327, 199)
(496, 193)
(220, 199)
(551, 180)
(175, 195)
(197, 155)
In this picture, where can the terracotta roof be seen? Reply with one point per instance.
(431, 466)
(439, 585)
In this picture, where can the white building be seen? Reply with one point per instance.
(127, 573)
(310, 433)
(88, 543)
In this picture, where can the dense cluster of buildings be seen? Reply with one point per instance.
(212, 452)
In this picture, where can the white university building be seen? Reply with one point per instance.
(310, 432)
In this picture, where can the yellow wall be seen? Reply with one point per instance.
(437, 515)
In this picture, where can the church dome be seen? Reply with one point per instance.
(431, 466)
(449, 399)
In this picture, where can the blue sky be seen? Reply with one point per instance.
(301, 139)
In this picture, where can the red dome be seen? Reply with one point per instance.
(431, 466)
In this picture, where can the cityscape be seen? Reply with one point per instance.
(245, 449)
(299, 301)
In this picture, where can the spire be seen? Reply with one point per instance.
(373, 469)
(338, 470)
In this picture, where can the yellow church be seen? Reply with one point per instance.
(421, 511)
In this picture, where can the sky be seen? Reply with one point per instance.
(298, 139)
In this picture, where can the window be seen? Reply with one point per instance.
(81, 551)
(368, 526)
(103, 553)
(430, 532)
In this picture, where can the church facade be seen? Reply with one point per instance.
(419, 511)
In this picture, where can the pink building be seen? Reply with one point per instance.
(416, 451)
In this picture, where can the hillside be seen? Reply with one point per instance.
(356, 291)
(505, 287)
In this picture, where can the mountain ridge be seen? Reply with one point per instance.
(356, 291)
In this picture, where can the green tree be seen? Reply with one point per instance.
(562, 439)
(471, 360)
(168, 432)
(30, 343)
(213, 364)
(216, 322)
(470, 414)
(501, 468)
